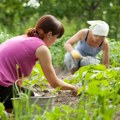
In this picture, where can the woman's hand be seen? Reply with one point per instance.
(75, 91)
(76, 55)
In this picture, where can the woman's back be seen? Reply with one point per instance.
(15, 55)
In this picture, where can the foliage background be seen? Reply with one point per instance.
(18, 15)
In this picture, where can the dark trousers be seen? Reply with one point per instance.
(6, 93)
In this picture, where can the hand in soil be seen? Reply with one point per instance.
(75, 91)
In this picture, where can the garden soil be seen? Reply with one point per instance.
(63, 97)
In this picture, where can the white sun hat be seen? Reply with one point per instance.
(99, 27)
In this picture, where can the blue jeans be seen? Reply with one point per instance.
(70, 63)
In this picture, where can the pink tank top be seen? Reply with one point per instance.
(17, 58)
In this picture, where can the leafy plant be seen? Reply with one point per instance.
(58, 51)
(3, 113)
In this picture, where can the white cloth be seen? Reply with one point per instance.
(89, 60)
(99, 27)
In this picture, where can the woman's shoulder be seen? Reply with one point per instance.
(83, 32)
(42, 51)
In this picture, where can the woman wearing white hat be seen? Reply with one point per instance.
(89, 43)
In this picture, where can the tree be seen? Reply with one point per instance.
(17, 14)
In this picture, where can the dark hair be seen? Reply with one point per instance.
(46, 23)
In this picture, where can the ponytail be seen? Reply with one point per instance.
(44, 25)
(32, 32)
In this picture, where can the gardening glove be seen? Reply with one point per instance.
(76, 55)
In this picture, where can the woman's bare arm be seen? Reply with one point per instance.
(106, 53)
(74, 39)
(44, 56)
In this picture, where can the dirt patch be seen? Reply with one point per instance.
(63, 96)
(62, 73)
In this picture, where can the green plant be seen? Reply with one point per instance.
(3, 113)
(58, 51)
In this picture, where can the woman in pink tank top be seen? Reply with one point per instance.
(23, 51)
